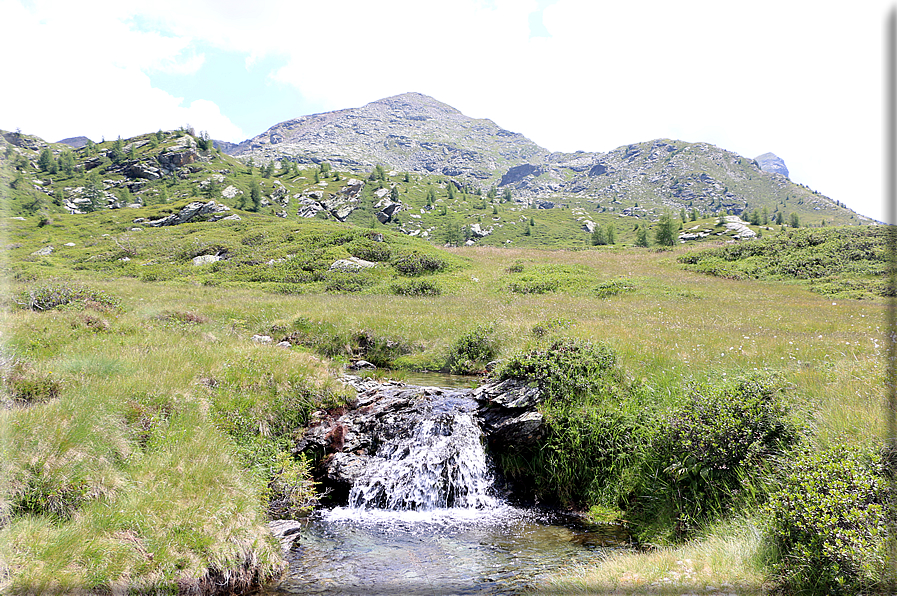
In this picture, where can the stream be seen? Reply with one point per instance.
(423, 519)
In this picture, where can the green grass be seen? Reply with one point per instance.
(144, 402)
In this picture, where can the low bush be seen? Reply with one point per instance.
(291, 491)
(470, 353)
(347, 281)
(613, 287)
(563, 367)
(416, 263)
(827, 523)
(62, 294)
(26, 386)
(415, 287)
(712, 450)
(544, 328)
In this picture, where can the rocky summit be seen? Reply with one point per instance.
(770, 162)
(407, 132)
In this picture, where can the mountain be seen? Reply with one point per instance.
(412, 132)
(408, 132)
(75, 142)
(770, 162)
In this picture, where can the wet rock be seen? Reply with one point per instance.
(509, 414)
(287, 532)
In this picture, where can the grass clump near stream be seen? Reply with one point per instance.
(144, 458)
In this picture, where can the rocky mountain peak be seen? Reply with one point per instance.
(772, 163)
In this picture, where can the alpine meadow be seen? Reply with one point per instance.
(209, 347)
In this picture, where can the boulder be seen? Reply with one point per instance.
(351, 264)
(509, 414)
(142, 170)
(287, 532)
(205, 260)
(196, 209)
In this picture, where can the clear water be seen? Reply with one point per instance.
(424, 520)
(501, 551)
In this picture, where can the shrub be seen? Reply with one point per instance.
(707, 451)
(613, 287)
(416, 263)
(61, 294)
(563, 367)
(26, 386)
(590, 436)
(291, 491)
(347, 281)
(544, 328)
(827, 523)
(470, 353)
(415, 287)
(369, 250)
(48, 494)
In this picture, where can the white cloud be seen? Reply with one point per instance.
(84, 74)
(801, 79)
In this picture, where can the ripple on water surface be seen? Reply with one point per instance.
(503, 550)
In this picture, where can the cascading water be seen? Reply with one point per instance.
(421, 517)
(440, 464)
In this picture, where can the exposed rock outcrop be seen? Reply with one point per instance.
(196, 210)
(770, 162)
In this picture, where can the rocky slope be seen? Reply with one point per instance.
(408, 132)
(416, 133)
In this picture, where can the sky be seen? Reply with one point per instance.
(800, 78)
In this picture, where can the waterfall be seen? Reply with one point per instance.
(440, 464)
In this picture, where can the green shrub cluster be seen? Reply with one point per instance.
(826, 258)
(26, 386)
(416, 263)
(61, 294)
(327, 340)
(672, 469)
(415, 287)
(472, 351)
(712, 449)
(827, 523)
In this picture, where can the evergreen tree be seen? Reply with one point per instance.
(431, 196)
(45, 160)
(494, 210)
(599, 238)
(611, 234)
(780, 219)
(492, 194)
(682, 215)
(506, 195)
(394, 194)
(694, 214)
(641, 236)
(764, 217)
(269, 171)
(666, 231)
(255, 196)
(407, 177)
(794, 221)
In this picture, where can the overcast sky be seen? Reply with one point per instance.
(800, 78)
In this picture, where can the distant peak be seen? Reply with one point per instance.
(770, 162)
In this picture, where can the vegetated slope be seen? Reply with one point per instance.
(416, 133)
(845, 262)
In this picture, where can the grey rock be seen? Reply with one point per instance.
(287, 533)
(262, 339)
(196, 209)
(351, 264)
(43, 252)
(205, 259)
(770, 162)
